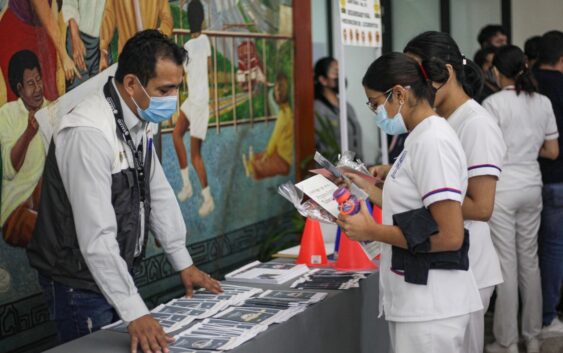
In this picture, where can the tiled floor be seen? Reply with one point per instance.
(553, 345)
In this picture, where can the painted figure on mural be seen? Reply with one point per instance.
(84, 20)
(130, 17)
(194, 112)
(36, 25)
(278, 156)
(23, 149)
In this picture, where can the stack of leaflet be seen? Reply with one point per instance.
(180, 312)
(284, 299)
(267, 273)
(215, 335)
(329, 279)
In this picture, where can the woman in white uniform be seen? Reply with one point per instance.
(430, 173)
(527, 122)
(484, 148)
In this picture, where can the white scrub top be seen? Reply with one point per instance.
(484, 148)
(526, 121)
(431, 168)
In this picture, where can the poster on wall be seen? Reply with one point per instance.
(361, 23)
(224, 152)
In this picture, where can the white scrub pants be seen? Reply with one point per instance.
(475, 334)
(436, 336)
(514, 229)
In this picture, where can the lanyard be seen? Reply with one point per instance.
(138, 161)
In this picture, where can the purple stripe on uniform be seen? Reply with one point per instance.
(552, 133)
(398, 272)
(484, 166)
(437, 191)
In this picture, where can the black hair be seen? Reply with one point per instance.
(195, 16)
(532, 47)
(488, 32)
(141, 53)
(440, 46)
(551, 47)
(321, 69)
(481, 55)
(399, 69)
(19, 62)
(511, 62)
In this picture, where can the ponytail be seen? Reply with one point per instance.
(511, 62)
(440, 46)
(398, 69)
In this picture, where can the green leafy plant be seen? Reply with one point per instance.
(282, 238)
(326, 137)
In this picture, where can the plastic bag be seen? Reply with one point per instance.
(309, 208)
(346, 161)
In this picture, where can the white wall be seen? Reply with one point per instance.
(531, 18)
(467, 19)
(320, 29)
(411, 17)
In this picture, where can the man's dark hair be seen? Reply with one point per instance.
(551, 47)
(532, 47)
(141, 53)
(195, 16)
(19, 62)
(488, 32)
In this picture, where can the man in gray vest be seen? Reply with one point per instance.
(103, 190)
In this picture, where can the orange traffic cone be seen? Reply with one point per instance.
(312, 251)
(351, 256)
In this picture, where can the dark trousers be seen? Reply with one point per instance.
(551, 249)
(76, 312)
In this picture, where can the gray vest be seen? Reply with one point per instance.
(54, 250)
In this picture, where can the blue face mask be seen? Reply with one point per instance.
(391, 126)
(159, 109)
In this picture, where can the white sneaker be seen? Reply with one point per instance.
(495, 347)
(208, 204)
(533, 346)
(185, 193)
(555, 329)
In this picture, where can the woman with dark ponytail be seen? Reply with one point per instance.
(484, 148)
(426, 303)
(528, 124)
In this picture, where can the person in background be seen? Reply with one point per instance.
(484, 59)
(430, 176)
(23, 150)
(532, 50)
(130, 17)
(84, 19)
(194, 111)
(103, 190)
(484, 147)
(492, 36)
(327, 112)
(278, 156)
(528, 124)
(549, 76)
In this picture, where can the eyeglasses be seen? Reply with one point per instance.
(373, 106)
